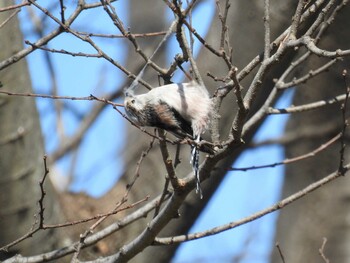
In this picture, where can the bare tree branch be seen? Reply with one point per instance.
(281, 204)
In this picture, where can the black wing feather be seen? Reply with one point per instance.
(165, 117)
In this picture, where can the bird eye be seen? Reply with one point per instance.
(133, 101)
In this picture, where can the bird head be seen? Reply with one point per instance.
(134, 106)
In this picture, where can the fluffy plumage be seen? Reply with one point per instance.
(179, 108)
(182, 109)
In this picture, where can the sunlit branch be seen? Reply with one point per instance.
(277, 206)
(307, 107)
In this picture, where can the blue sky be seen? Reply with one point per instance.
(100, 163)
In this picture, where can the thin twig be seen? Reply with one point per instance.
(62, 10)
(39, 217)
(64, 52)
(135, 35)
(56, 97)
(321, 17)
(321, 251)
(11, 7)
(87, 39)
(43, 193)
(267, 29)
(163, 196)
(175, 182)
(308, 106)
(296, 20)
(344, 121)
(138, 165)
(280, 252)
(242, 109)
(224, 34)
(311, 74)
(188, 51)
(292, 160)
(9, 18)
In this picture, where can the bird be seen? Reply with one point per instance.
(183, 109)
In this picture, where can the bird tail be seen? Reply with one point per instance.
(195, 166)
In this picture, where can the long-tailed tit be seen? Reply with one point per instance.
(182, 109)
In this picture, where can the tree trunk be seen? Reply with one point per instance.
(21, 153)
(325, 212)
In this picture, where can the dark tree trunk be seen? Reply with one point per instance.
(21, 153)
(325, 212)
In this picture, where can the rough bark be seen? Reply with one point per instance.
(21, 153)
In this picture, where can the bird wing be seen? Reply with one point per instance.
(163, 116)
(190, 101)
